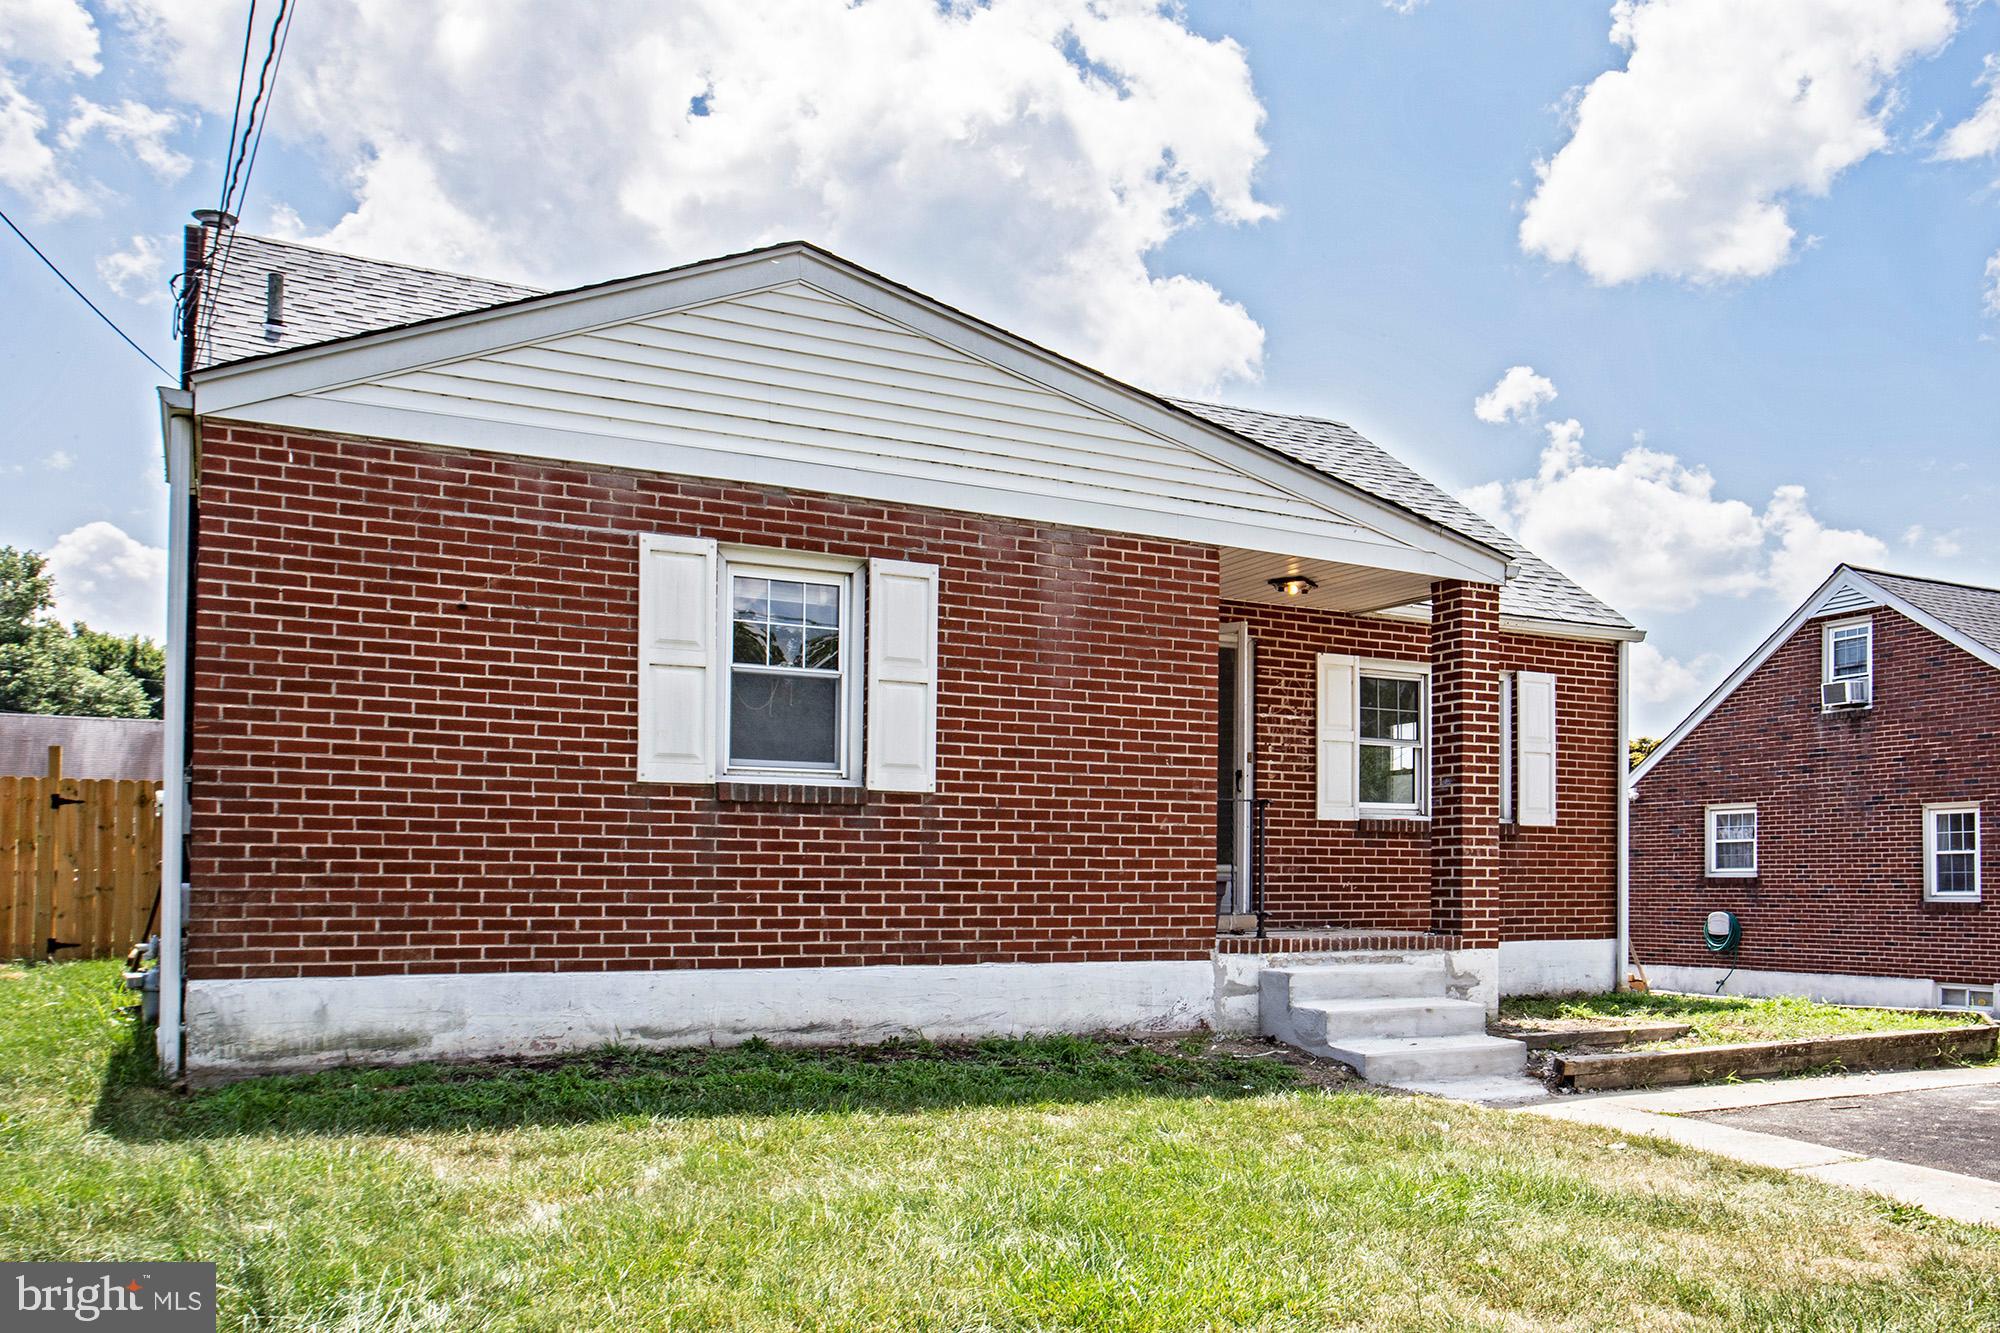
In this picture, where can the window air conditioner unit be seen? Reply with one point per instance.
(1851, 693)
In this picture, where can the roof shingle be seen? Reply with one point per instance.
(328, 296)
(1538, 590)
(1973, 612)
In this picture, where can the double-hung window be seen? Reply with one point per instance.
(1847, 663)
(791, 682)
(1951, 852)
(1392, 741)
(1732, 840)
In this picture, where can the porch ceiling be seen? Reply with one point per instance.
(1247, 575)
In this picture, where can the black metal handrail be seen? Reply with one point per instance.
(1258, 808)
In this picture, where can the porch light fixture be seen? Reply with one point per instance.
(1293, 585)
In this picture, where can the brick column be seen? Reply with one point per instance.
(1465, 762)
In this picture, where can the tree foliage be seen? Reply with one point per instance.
(48, 667)
(1638, 747)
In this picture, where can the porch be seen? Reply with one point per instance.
(1358, 773)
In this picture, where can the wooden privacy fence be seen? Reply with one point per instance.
(79, 864)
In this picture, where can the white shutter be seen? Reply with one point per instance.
(1535, 749)
(1337, 763)
(1506, 747)
(902, 675)
(677, 633)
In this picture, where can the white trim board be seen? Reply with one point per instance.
(337, 387)
(239, 1028)
(1842, 593)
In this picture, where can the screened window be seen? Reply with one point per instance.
(791, 670)
(1732, 840)
(1951, 852)
(1391, 742)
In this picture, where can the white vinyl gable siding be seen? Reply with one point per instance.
(791, 374)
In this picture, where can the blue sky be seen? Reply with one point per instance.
(1760, 293)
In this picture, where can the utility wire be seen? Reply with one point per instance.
(236, 112)
(265, 74)
(244, 150)
(81, 297)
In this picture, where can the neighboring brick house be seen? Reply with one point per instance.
(1830, 794)
(761, 647)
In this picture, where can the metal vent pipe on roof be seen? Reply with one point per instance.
(274, 305)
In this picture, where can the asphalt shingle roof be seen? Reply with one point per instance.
(1538, 590)
(1973, 612)
(328, 295)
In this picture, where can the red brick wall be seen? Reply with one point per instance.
(1840, 802)
(1555, 883)
(414, 700)
(1561, 883)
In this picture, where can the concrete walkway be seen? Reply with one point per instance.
(1680, 1114)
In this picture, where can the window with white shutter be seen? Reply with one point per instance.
(1534, 749)
(1336, 735)
(677, 629)
(902, 675)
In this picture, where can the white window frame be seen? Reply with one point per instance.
(1420, 672)
(1827, 633)
(1931, 812)
(1708, 820)
(807, 567)
(1967, 993)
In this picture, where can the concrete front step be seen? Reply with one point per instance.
(1429, 1059)
(1360, 978)
(1330, 1021)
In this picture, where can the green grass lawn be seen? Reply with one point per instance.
(1016, 1185)
(1719, 1019)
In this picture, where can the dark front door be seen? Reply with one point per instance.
(1227, 773)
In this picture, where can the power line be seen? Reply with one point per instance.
(266, 92)
(109, 322)
(236, 112)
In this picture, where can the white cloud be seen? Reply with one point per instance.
(1945, 545)
(1978, 135)
(1684, 162)
(1648, 533)
(1027, 160)
(1993, 284)
(56, 33)
(139, 129)
(110, 580)
(137, 273)
(61, 460)
(1668, 683)
(1518, 396)
(28, 166)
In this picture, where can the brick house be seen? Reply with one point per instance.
(1829, 795)
(761, 647)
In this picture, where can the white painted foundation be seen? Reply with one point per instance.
(238, 1028)
(1558, 967)
(1831, 987)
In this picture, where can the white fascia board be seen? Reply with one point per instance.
(226, 390)
(327, 416)
(1842, 577)
(173, 403)
(1571, 629)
